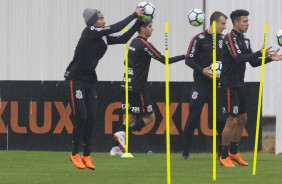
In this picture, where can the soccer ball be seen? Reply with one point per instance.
(150, 11)
(218, 67)
(196, 17)
(279, 38)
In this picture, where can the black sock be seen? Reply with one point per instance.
(224, 153)
(219, 151)
(122, 127)
(86, 149)
(75, 147)
(137, 125)
(234, 148)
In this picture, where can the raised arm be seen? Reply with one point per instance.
(98, 32)
(126, 36)
(154, 53)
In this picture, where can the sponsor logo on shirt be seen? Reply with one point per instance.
(135, 109)
(201, 36)
(131, 48)
(236, 45)
(99, 28)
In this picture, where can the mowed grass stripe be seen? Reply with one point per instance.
(32, 167)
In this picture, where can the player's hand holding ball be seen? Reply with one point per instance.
(140, 12)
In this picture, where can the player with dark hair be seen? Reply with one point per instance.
(199, 58)
(141, 111)
(236, 53)
(81, 78)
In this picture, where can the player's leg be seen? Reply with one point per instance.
(237, 133)
(75, 93)
(131, 118)
(141, 115)
(119, 136)
(197, 99)
(220, 119)
(91, 106)
(235, 139)
(230, 103)
(230, 125)
(145, 113)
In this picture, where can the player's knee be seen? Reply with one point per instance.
(152, 117)
(242, 120)
(231, 121)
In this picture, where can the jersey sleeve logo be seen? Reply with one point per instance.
(148, 51)
(193, 49)
(236, 45)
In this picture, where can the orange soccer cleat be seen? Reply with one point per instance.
(237, 158)
(226, 162)
(87, 161)
(77, 162)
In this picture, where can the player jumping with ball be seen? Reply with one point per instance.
(81, 78)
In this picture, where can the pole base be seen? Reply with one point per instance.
(127, 155)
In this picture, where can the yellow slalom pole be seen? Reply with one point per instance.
(126, 154)
(214, 101)
(167, 104)
(260, 97)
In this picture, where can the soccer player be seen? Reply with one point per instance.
(236, 53)
(199, 58)
(81, 78)
(141, 111)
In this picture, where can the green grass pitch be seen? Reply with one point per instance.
(40, 167)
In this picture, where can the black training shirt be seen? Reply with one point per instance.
(92, 46)
(199, 55)
(139, 59)
(235, 53)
